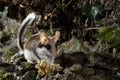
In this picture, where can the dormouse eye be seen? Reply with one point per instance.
(48, 46)
(40, 45)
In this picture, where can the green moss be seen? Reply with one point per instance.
(8, 76)
(4, 37)
(8, 53)
(26, 65)
(2, 72)
(30, 75)
(27, 33)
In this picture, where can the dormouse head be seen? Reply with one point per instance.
(43, 38)
(49, 42)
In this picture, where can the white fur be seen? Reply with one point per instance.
(30, 16)
(44, 54)
(30, 56)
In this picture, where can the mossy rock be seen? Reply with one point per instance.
(76, 77)
(29, 75)
(23, 67)
(8, 76)
(88, 71)
(96, 77)
(2, 72)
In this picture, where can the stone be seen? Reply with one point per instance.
(29, 75)
(87, 71)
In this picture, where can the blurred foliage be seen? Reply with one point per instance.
(3, 14)
(4, 36)
(107, 33)
(110, 35)
(116, 40)
(71, 46)
(8, 76)
(8, 52)
(64, 7)
(91, 11)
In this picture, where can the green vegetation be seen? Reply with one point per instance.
(88, 27)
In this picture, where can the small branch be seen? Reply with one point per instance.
(95, 28)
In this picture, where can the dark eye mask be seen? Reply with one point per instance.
(48, 46)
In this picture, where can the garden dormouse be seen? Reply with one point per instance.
(39, 46)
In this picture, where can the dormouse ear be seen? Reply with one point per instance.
(56, 36)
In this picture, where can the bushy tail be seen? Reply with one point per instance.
(28, 20)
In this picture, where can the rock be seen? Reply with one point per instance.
(8, 76)
(73, 69)
(71, 77)
(29, 75)
(87, 71)
(72, 73)
(96, 77)
(23, 67)
(2, 25)
(17, 58)
(8, 67)
(6, 71)
(2, 72)
(71, 46)
(67, 60)
(76, 77)
(64, 77)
